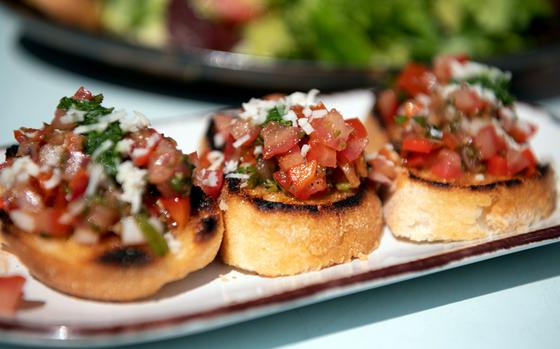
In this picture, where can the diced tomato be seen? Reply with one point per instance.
(278, 139)
(411, 108)
(82, 94)
(19, 136)
(415, 79)
(301, 176)
(281, 178)
(528, 154)
(522, 134)
(298, 109)
(319, 152)
(291, 158)
(318, 106)
(450, 140)
(418, 145)
(11, 292)
(78, 184)
(488, 142)
(468, 101)
(447, 164)
(359, 128)
(417, 160)
(384, 166)
(73, 141)
(317, 185)
(222, 123)
(210, 181)
(179, 209)
(516, 161)
(163, 162)
(497, 166)
(331, 130)
(357, 142)
(48, 222)
(388, 104)
(244, 128)
(351, 175)
(442, 65)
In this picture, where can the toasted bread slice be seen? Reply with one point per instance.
(423, 209)
(273, 234)
(109, 271)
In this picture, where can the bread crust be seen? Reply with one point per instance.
(426, 210)
(274, 234)
(109, 271)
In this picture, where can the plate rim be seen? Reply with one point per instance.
(74, 334)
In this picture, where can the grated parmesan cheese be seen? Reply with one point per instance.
(73, 115)
(219, 140)
(173, 244)
(238, 176)
(20, 171)
(305, 126)
(231, 166)
(133, 181)
(130, 232)
(238, 143)
(103, 147)
(54, 180)
(124, 146)
(96, 176)
(304, 149)
(216, 159)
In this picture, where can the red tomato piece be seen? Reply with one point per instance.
(331, 130)
(291, 159)
(516, 161)
(243, 128)
(210, 181)
(497, 166)
(319, 152)
(48, 221)
(278, 139)
(442, 65)
(447, 164)
(415, 79)
(282, 178)
(450, 140)
(488, 142)
(318, 184)
(78, 184)
(179, 209)
(522, 134)
(357, 142)
(468, 101)
(388, 104)
(301, 176)
(418, 145)
(82, 94)
(11, 292)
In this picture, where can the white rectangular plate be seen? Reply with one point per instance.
(219, 295)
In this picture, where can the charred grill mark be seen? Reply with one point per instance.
(272, 206)
(125, 257)
(233, 185)
(542, 171)
(11, 151)
(206, 228)
(200, 201)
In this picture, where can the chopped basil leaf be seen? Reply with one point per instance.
(181, 184)
(110, 158)
(400, 119)
(275, 114)
(500, 85)
(93, 108)
(421, 120)
(153, 237)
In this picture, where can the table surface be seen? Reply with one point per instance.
(512, 301)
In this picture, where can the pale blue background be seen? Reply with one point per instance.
(510, 302)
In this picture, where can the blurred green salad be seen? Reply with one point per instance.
(355, 32)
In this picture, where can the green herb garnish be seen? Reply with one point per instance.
(275, 114)
(154, 239)
(180, 183)
(421, 120)
(110, 158)
(271, 185)
(401, 119)
(500, 85)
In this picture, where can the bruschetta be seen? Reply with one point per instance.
(99, 205)
(466, 169)
(295, 196)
